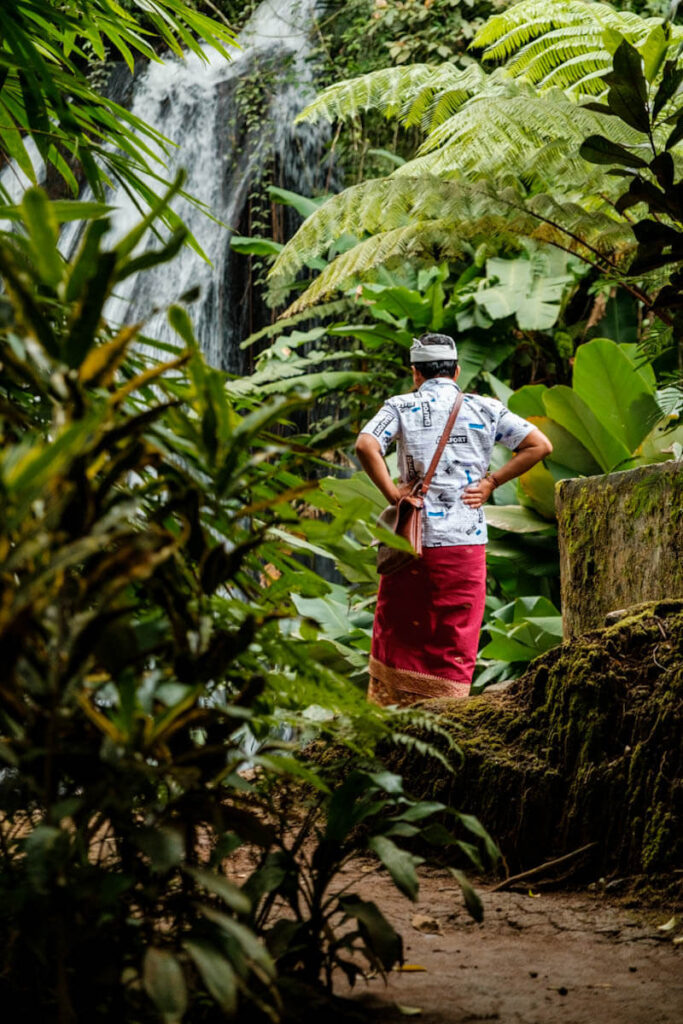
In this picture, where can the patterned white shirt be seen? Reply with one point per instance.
(416, 421)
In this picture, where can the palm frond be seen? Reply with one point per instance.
(45, 92)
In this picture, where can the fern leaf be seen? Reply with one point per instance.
(386, 90)
(432, 218)
(511, 129)
(507, 32)
(334, 309)
(416, 239)
(560, 43)
(442, 94)
(383, 203)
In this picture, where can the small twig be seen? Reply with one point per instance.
(541, 868)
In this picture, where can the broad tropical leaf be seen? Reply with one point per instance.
(605, 378)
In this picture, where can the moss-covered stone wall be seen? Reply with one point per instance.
(584, 748)
(621, 542)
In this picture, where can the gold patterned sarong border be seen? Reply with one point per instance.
(403, 687)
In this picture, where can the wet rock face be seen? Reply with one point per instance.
(621, 542)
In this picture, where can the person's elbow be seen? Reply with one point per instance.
(366, 443)
(537, 442)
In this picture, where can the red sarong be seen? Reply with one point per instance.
(427, 623)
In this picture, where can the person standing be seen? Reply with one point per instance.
(429, 613)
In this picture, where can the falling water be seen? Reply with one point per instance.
(193, 103)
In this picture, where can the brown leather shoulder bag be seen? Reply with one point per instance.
(405, 517)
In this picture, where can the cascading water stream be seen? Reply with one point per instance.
(193, 103)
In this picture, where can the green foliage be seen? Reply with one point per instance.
(567, 44)
(45, 91)
(328, 928)
(428, 218)
(437, 30)
(157, 627)
(643, 91)
(518, 632)
(500, 158)
(610, 419)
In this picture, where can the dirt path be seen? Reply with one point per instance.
(554, 958)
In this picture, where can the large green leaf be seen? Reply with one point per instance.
(382, 939)
(165, 984)
(216, 971)
(634, 353)
(618, 396)
(537, 485)
(528, 401)
(43, 230)
(475, 357)
(567, 449)
(255, 246)
(599, 150)
(302, 204)
(506, 648)
(399, 863)
(515, 518)
(627, 95)
(531, 289)
(568, 409)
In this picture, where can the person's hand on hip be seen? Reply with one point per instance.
(478, 494)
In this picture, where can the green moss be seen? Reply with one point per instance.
(585, 747)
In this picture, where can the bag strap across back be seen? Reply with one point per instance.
(427, 479)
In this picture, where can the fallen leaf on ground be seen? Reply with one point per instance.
(409, 1011)
(427, 924)
(669, 926)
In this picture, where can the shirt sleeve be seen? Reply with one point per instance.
(385, 426)
(511, 429)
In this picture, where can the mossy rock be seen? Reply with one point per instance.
(621, 541)
(585, 747)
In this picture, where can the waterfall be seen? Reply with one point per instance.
(194, 103)
(14, 181)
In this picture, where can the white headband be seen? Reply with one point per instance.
(420, 353)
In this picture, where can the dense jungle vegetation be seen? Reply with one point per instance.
(509, 173)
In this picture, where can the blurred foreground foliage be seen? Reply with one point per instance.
(155, 644)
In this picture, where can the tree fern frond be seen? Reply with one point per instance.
(561, 57)
(505, 130)
(560, 43)
(370, 207)
(443, 94)
(388, 90)
(582, 73)
(413, 240)
(505, 33)
(335, 309)
(410, 218)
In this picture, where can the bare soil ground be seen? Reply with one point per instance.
(549, 958)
